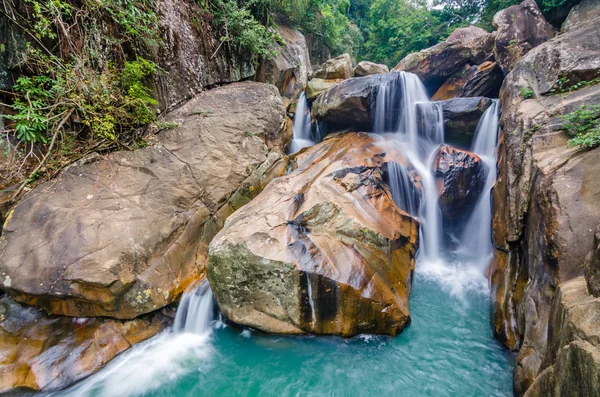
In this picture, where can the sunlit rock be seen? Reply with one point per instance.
(322, 250)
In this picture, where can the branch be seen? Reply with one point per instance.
(56, 131)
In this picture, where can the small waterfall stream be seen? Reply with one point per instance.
(448, 349)
(301, 135)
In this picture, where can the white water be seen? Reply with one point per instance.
(301, 136)
(162, 359)
(418, 132)
(476, 240)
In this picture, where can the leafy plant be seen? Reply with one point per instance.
(526, 92)
(584, 126)
(563, 84)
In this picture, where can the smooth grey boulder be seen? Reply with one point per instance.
(461, 116)
(336, 68)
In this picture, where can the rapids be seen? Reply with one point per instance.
(448, 350)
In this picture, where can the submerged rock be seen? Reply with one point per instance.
(366, 68)
(47, 352)
(519, 28)
(322, 250)
(460, 176)
(336, 68)
(126, 234)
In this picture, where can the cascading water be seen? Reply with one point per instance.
(476, 238)
(162, 359)
(301, 135)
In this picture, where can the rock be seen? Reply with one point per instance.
(461, 117)
(482, 80)
(450, 59)
(572, 362)
(322, 250)
(366, 68)
(460, 177)
(13, 47)
(585, 13)
(349, 104)
(288, 71)
(436, 64)
(191, 52)
(519, 28)
(592, 266)
(336, 68)
(126, 234)
(316, 86)
(319, 53)
(47, 352)
(545, 198)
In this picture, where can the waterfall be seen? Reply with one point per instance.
(476, 237)
(301, 135)
(196, 311)
(417, 131)
(160, 360)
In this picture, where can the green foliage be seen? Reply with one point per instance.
(564, 84)
(526, 92)
(31, 120)
(584, 126)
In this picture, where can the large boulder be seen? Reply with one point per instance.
(366, 68)
(289, 69)
(436, 64)
(460, 179)
(584, 13)
(336, 68)
(316, 86)
(461, 117)
(322, 250)
(546, 196)
(47, 352)
(124, 234)
(519, 28)
(350, 104)
(476, 80)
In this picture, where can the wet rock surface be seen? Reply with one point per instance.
(460, 179)
(322, 250)
(473, 81)
(317, 86)
(46, 352)
(126, 233)
(461, 116)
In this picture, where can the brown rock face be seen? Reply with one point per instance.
(46, 352)
(482, 80)
(322, 250)
(460, 176)
(288, 71)
(592, 266)
(519, 28)
(571, 366)
(366, 68)
(189, 53)
(336, 68)
(126, 234)
(546, 196)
